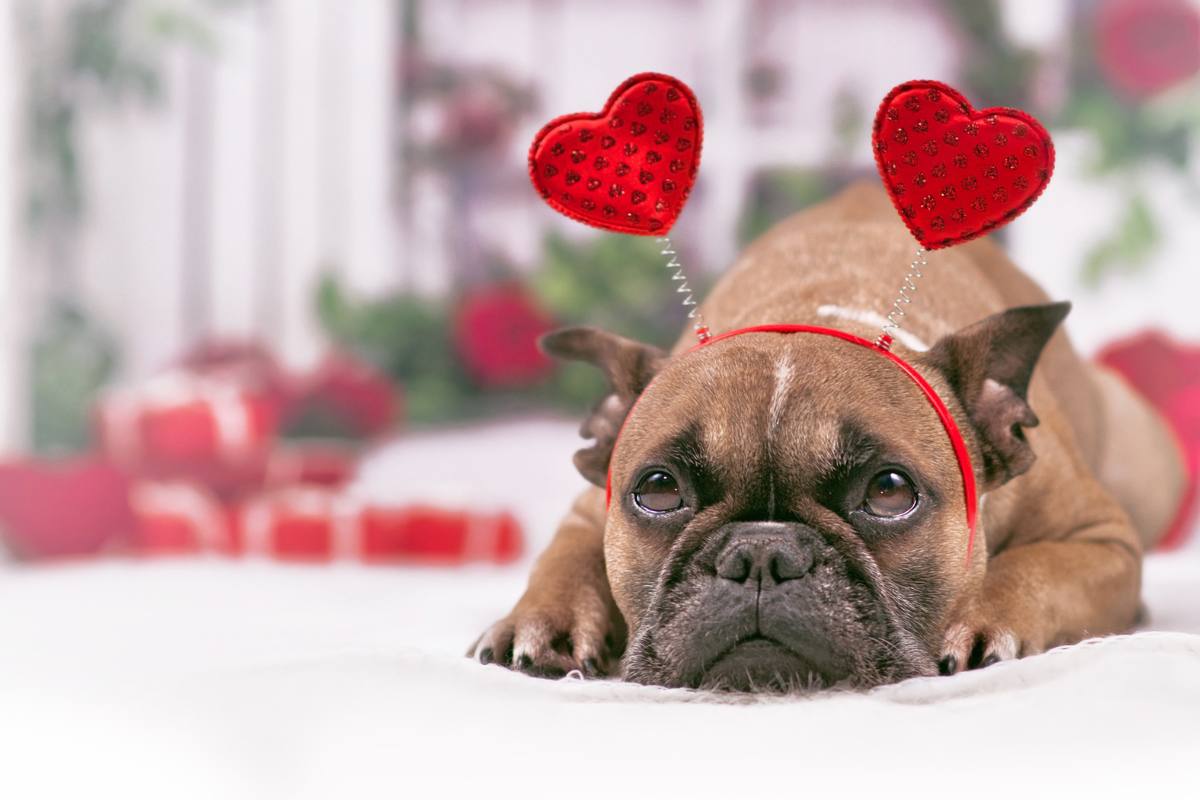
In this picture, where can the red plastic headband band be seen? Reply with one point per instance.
(956, 439)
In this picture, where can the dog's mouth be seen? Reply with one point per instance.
(829, 627)
(760, 663)
(791, 655)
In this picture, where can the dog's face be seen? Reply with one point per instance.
(798, 527)
(787, 511)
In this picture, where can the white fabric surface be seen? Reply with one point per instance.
(217, 679)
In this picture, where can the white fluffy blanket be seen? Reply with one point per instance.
(214, 679)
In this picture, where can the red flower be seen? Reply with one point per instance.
(1145, 46)
(349, 395)
(496, 332)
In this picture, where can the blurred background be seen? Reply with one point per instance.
(271, 273)
(317, 213)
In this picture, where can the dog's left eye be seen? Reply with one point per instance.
(890, 493)
(658, 492)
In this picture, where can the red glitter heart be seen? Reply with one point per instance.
(955, 173)
(629, 168)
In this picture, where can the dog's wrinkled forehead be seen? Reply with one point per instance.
(794, 403)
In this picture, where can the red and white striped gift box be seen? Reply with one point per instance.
(298, 524)
(179, 425)
(316, 524)
(176, 517)
(438, 535)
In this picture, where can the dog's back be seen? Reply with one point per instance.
(841, 264)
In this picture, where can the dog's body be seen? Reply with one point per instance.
(770, 572)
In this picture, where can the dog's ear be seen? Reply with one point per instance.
(989, 365)
(629, 367)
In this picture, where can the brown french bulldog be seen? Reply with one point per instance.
(787, 511)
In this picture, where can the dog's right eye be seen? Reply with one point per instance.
(890, 494)
(658, 493)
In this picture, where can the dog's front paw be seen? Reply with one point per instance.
(979, 639)
(550, 641)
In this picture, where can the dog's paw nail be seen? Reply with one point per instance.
(948, 665)
(524, 662)
(991, 659)
(486, 656)
(590, 669)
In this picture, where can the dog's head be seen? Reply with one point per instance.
(787, 510)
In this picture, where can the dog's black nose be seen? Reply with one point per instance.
(765, 553)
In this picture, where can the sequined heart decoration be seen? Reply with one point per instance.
(628, 168)
(953, 172)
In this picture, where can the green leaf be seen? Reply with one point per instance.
(72, 358)
(1127, 249)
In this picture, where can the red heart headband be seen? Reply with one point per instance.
(628, 168)
(952, 172)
